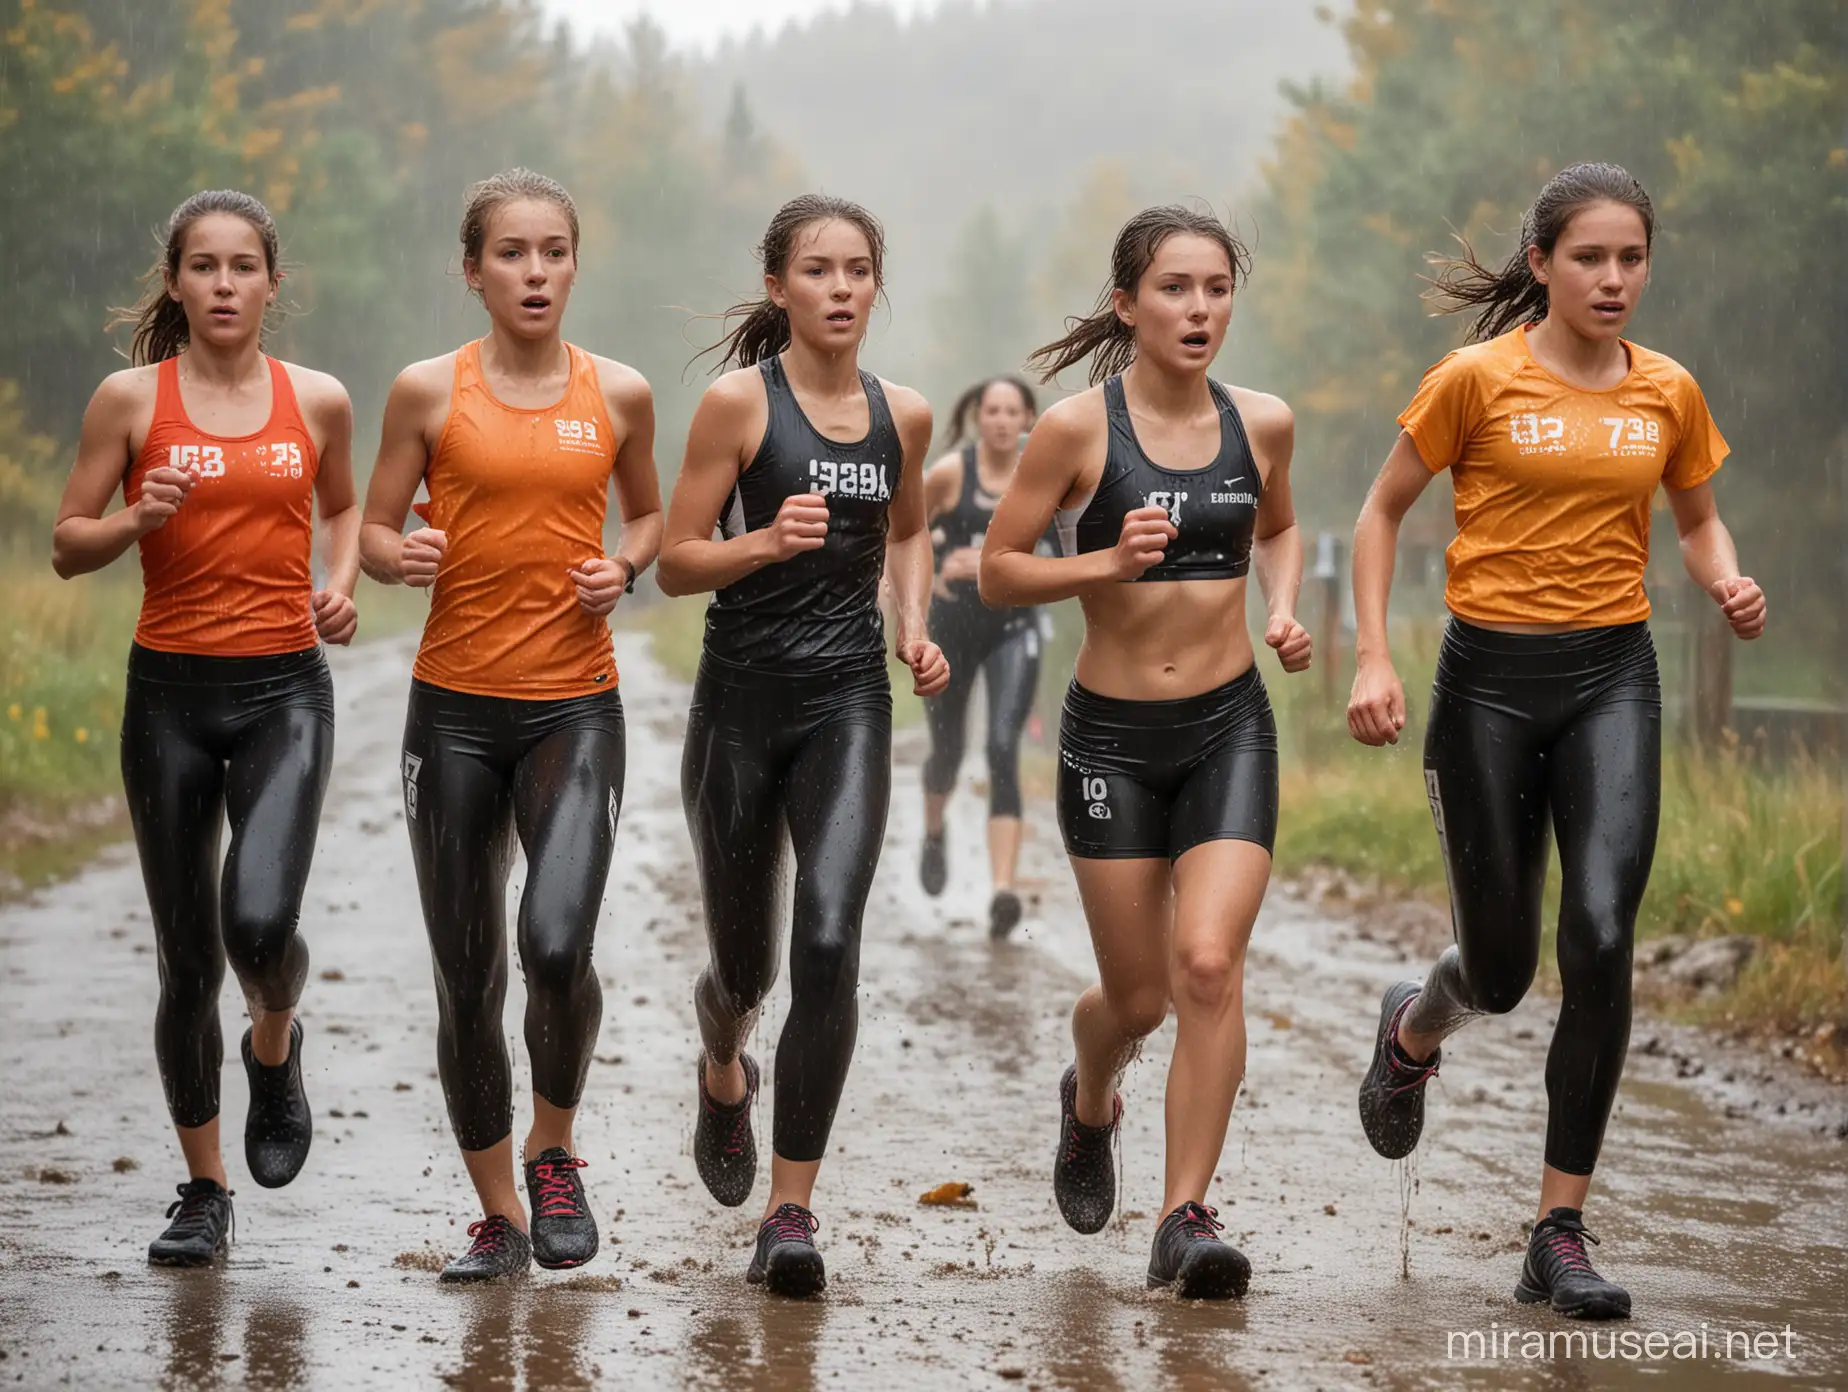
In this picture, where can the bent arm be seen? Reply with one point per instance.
(1012, 573)
(908, 551)
(1376, 540)
(82, 539)
(691, 561)
(1707, 548)
(334, 492)
(1277, 542)
(638, 484)
(403, 456)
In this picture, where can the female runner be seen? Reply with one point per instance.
(813, 471)
(1547, 705)
(515, 726)
(221, 453)
(1164, 484)
(1003, 645)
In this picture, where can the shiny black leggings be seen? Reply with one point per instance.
(1527, 731)
(768, 754)
(203, 739)
(478, 770)
(1007, 655)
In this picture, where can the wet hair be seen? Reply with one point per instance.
(962, 415)
(1513, 295)
(1102, 336)
(763, 330)
(486, 197)
(161, 330)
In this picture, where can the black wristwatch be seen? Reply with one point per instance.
(629, 565)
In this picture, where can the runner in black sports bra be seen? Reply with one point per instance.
(1001, 645)
(1167, 750)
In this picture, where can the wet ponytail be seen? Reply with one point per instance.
(161, 331)
(1102, 336)
(764, 328)
(1513, 295)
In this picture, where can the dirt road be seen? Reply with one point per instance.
(1718, 1223)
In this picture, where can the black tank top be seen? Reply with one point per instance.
(818, 610)
(966, 523)
(1214, 509)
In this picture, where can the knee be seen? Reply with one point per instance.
(1208, 977)
(825, 970)
(261, 942)
(1594, 951)
(1496, 994)
(1139, 1012)
(557, 963)
(190, 979)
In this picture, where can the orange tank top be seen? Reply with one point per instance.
(521, 495)
(229, 574)
(1554, 482)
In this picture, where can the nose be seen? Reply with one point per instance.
(841, 288)
(223, 284)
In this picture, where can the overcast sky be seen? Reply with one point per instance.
(700, 23)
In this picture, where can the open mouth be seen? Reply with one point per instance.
(841, 316)
(1198, 339)
(1609, 306)
(535, 302)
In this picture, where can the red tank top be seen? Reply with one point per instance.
(229, 574)
(521, 495)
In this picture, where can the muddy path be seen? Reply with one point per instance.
(1719, 1220)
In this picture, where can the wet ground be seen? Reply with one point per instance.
(1368, 1274)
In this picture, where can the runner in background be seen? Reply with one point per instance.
(221, 453)
(515, 725)
(811, 471)
(1002, 646)
(1546, 712)
(1167, 487)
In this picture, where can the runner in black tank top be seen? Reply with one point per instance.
(790, 732)
(1003, 645)
(1165, 486)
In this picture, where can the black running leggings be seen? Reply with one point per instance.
(812, 754)
(1528, 730)
(203, 739)
(477, 771)
(1006, 652)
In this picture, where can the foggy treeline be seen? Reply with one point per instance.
(1002, 144)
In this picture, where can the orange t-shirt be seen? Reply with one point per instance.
(521, 494)
(1553, 482)
(229, 574)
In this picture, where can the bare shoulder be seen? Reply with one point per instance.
(1073, 421)
(1268, 419)
(428, 382)
(622, 386)
(321, 394)
(949, 465)
(739, 390)
(125, 393)
(910, 411)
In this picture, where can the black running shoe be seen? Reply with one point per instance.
(1392, 1092)
(1192, 1260)
(1083, 1178)
(201, 1227)
(934, 864)
(500, 1249)
(564, 1232)
(786, 1262)
(1558, 1273)
(279, 1127)
(723, 1147)
(1003, 913)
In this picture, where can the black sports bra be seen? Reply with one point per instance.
(1214, 509)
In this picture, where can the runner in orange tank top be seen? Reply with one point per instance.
(515, 724)
(220, 453)
(1546, 712)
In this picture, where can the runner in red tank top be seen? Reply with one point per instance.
(515, 723)
(220, 453)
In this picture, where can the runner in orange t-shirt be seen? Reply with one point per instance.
(515, 724)
(1547, 706)
(221, 454)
